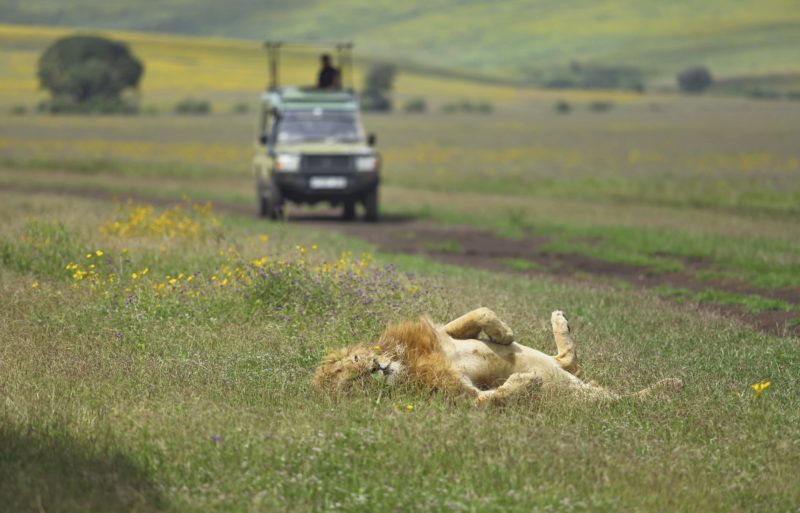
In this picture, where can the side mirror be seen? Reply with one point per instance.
(372, 139)
(263, 139)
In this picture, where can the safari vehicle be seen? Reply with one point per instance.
(312, 147)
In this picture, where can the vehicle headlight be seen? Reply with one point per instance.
(287, 162)
(367, 163)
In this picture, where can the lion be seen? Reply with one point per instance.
(453, 358)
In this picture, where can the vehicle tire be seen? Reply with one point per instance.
(371, 206)
(263, 203)
(349, 211)
(275, 203)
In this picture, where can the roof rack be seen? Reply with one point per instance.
(296, 98)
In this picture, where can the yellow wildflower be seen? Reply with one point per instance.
(99, 252)
(35, 285)
(377, 349)
(758, 388)
(263, 238)
(409, 407)
(135, 276)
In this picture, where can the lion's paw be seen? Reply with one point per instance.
(501, 333)
(559, 323)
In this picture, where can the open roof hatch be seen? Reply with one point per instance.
(342, 53)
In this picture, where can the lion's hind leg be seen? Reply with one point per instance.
(516, 385)
(472, 323)
(567, 356)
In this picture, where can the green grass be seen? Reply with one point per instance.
(752, 303)
(520, 264)
(148, 401)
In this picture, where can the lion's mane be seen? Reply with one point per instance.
(415, 344)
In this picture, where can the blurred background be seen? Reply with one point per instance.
(624, 132)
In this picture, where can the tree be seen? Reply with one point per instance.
(695, 79)
(377, 85)
(88, 73)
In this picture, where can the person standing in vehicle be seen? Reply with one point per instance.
(328, 75)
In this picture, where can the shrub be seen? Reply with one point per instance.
(449, 108)
(466, 106)
(88, 74)
(376, 104)
(19, 110)
(563, 107)
(378, 86)
(793, 95)
(150, 110)
(695, 79)
(600, 106)
(193, 106)
(594, 77)
(484, 107)
(241, 108)
(416, 105)
(763, 94)
(480, 107)
(65, 104)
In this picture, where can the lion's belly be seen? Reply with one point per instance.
(488, 365)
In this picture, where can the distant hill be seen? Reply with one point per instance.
(528, 40)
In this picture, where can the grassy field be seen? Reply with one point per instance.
(159, 358)
(523, 39)
(655, 183)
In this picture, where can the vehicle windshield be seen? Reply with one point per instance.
(319, 125)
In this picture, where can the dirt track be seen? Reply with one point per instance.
(472, 247)
(469, 246)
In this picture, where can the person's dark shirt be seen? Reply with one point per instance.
(328, 77)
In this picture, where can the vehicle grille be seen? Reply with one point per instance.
(327, 163)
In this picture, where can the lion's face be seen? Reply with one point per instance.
(357, 366)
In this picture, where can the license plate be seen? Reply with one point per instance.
(328, 182)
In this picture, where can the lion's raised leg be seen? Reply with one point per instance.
(567, 356)
(516, 383)
(471, 324)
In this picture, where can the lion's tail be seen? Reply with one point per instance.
(665, 386)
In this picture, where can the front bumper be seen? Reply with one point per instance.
(312, 187)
